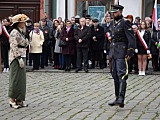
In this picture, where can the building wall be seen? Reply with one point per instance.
(132, 7)
(71, 8)
(60, 9)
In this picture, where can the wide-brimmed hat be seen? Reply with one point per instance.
(19, 18)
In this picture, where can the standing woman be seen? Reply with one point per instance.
(68, 51)
(143, 45)
(36, 42)
(17, 58)
(58, 50)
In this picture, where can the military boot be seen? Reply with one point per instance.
(122, 91)
(116, 85)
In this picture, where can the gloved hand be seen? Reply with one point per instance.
(136, 50)
(148, 51)
(130, 53)
(21, 62)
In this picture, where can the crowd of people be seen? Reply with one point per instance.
(86, 41)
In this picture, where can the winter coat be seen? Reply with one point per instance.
(36, 42)
(70, 48)
(98, 32)
(155, 38)
(83, 34)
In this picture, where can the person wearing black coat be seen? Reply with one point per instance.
(6, 29)
(68, 51)
(29, 28)
(45, 48)
(122, 49)
(141, 50)
(82, 37)
(154, 49)
(97, 43)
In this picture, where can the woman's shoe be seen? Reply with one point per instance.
(22, 104)
(14, 105)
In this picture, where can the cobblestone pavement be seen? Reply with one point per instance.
(57, 95)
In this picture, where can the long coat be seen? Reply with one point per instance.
(70, 48)
(36, 42)
(57, 49)
(153, 47)
(99, 34)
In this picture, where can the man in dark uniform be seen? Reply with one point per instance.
(122, 48)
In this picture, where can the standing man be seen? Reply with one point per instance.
(97, 43)
(122, 48)
(82, 37)
(45, 48)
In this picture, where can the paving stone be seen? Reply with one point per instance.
(56, 95)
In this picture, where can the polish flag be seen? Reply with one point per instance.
(154, 15)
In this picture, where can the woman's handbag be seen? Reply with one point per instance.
(62, 43)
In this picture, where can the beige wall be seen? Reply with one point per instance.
(132, 7)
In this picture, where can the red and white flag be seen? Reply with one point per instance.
(154, 15)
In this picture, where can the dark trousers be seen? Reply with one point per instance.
(73, 60)
(67, 61)
(56, 59)
(120, 75)
(82, 53)
(44, 56)
(155, 62)
(30, 59)
(97, 55)
(36, 60)
(5, 56)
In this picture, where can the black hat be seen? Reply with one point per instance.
(116, 8)
(88, 17)
(138, 18)
(95, 20)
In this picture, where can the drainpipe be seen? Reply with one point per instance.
(66, 9)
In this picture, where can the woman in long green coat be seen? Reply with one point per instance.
(17, 56)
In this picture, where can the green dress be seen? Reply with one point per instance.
(17, 81)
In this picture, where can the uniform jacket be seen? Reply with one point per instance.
(16, 40)
(123, 40)
(99, 34)
(36, 42)
(83, 34)
(70, 48)
(155, 38)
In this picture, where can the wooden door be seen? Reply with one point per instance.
(29, 7)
